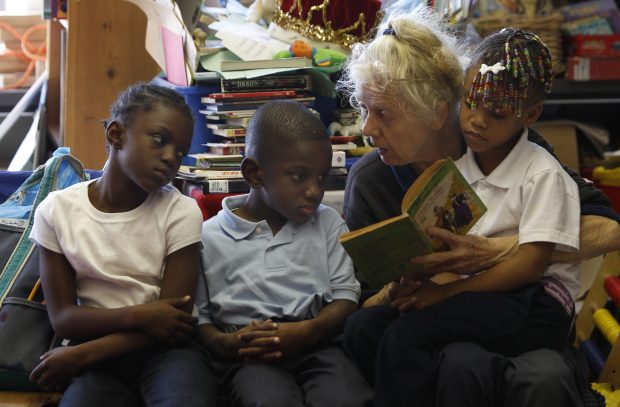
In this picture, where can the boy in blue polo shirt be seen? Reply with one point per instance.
(279, 286)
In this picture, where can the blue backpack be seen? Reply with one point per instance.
(25, 330)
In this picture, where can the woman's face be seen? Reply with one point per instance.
(402, 137)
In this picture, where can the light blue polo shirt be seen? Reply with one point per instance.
(251, 274)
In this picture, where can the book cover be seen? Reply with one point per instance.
(211, 115)
(205, 173)
(225, 186)
(296, 62)
(270, 83)
(439, 197)
(229, 132)
(251, 105)
(217, 97)
(225, 148)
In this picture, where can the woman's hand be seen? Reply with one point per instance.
(468, 254)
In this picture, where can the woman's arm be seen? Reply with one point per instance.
(525, 267)
(598, 235)
(470, 254)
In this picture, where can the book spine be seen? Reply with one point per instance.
(253, 95)
(229, 132)
(214, 186)
(290, 83)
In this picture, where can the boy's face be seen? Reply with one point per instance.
(153, 146)
(293, 179)
(487, 133)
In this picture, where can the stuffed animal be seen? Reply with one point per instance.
(320, 56)
(261, 9)
(336, 128)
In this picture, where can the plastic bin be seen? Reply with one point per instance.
(192, 95)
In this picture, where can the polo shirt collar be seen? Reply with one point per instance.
(239, 228)
(508, 172)
(232, 224)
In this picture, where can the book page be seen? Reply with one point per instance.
(446, 201)
(383, 255)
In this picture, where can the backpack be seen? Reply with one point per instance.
(25, 329)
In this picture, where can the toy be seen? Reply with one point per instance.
(261, 9)
(336, 128)
(320, 56)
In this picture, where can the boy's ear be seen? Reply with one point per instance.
(533, 113)
(114, 134)
(250, 168)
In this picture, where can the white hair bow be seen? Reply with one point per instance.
(495, 68)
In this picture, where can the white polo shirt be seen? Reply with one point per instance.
(531, 195)
(252, 274)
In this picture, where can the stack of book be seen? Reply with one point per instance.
(228, 112)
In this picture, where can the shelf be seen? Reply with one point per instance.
(566, 92)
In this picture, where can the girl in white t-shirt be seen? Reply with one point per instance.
(119, 260)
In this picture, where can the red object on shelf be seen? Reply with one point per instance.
(592, 68)
(594, 45)
(613, 194)
(210, 204)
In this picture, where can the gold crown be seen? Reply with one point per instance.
(341, 21)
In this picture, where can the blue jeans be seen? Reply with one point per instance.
(163, 377)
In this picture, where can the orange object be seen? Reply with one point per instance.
(301, 49)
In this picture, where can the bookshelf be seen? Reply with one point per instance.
(591, 101)
(104, 52)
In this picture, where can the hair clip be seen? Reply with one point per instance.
(389, 30)
(494, 68)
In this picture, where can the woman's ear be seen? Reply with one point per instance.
(441, 115)
(533, 113)
(250, 168)
(114, 134)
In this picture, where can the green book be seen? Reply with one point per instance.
(439, 197)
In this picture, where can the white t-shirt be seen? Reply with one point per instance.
(531, 195)
(118, 258)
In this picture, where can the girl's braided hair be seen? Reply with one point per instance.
(518, 72)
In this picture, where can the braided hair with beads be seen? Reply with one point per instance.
(516, 70)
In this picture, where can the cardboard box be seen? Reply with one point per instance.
(563, 138)
(593, 68)
(594, 45)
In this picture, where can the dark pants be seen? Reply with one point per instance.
(471, 376)
(170, 377)
(322, 377)
(399, 353)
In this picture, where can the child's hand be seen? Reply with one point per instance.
(290, 338)
(255, 343)
(166, 320)
(57, 367)
(426, 293)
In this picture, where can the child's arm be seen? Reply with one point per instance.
(291, 338)
(170, 323)
(525, 267)
(162, 318)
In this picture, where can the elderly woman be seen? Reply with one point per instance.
(408, 83)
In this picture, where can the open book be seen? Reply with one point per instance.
(439, 197)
